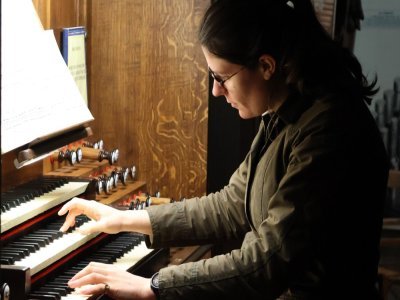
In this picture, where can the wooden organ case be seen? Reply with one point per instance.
(36, 258)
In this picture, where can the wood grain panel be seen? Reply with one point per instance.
(56, 14)
(148, 89)
(12, 177)
(43, 11)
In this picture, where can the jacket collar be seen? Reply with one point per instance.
(293, 107)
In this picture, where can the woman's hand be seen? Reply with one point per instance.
(108, 219)
(97, 278)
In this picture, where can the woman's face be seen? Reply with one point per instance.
(247, 90)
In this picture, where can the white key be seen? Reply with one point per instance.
(133, 256)
(75, 296)
(32, 208)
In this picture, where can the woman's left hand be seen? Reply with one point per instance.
(98, 278)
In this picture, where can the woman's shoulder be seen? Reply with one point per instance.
(334, 114)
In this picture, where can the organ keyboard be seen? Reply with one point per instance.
(21, 204)
(37, 259)
(125, 250)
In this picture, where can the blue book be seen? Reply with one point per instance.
(66, 33)
(74, 53)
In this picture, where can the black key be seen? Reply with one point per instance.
(16, 254)
(62, 280)
(6, 206)
(58, 290)
(54, 233)
(7, 260)
(23, 250)
(46, 238)
(41, 243)
(10, 202)
(99, 260)
(44, 296)
(29, 245)
(57, 285)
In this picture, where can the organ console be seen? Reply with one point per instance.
(37, 260)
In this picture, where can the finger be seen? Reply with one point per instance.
(66, 225)
(102, 225)
(74, 207)
(91, 278)
(70, 220)
(89, 228)
(75, 203)
(91, 289)
(92, 267)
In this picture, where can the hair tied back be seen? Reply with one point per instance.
(290, 4)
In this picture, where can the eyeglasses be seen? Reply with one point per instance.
(221, 81)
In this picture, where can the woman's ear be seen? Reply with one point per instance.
(267, 66)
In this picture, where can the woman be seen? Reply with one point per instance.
(307, 200)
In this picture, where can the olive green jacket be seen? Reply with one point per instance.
(309, 212)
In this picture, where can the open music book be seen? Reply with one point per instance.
(39, 97)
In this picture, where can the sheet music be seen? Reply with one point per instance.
(39, 97)
(20, 16)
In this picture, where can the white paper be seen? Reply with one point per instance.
(39, 97)
(19, 17)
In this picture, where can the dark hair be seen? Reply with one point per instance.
(311, 62)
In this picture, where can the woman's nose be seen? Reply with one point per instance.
(217, 89)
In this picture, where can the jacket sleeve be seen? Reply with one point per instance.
(217, 216)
